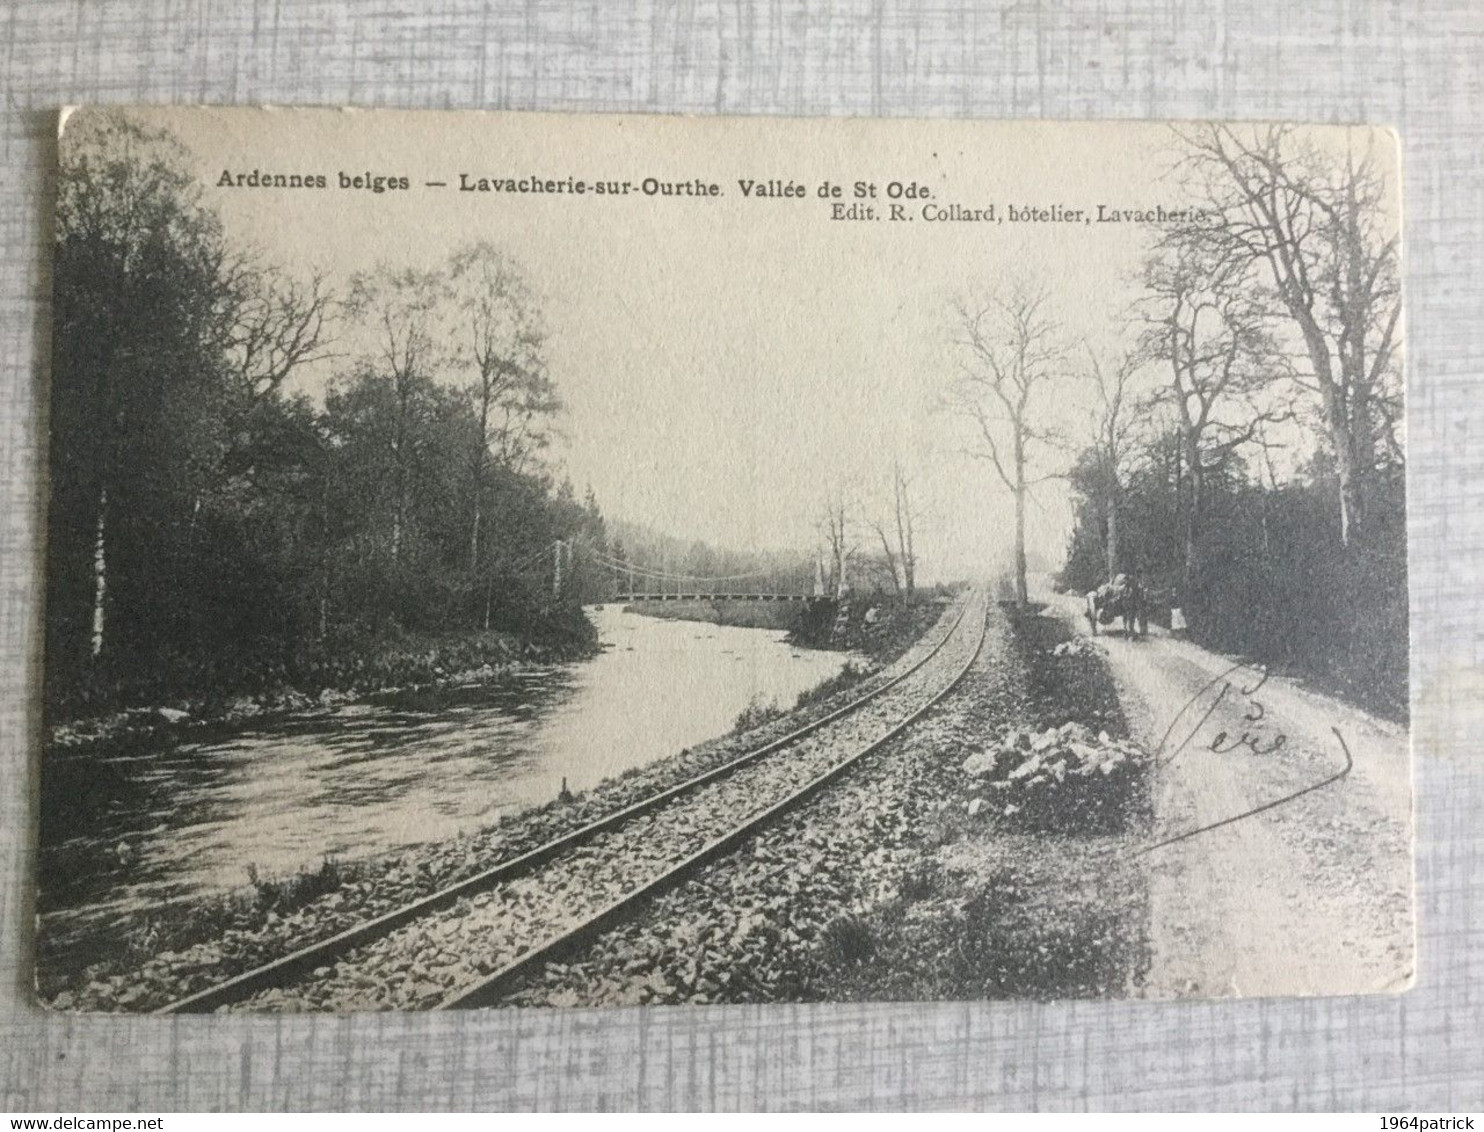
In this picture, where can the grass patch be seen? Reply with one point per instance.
(848, 941)
(290, 893)
(847, 677)
(757, 713)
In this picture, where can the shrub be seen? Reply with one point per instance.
(848, 940)
(757, 712)
(847, 676)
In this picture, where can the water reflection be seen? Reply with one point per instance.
(148, 821)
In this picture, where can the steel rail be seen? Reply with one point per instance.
(490, 990)
(297, 964)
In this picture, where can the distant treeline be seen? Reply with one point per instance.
(656, 556)
(210, 532)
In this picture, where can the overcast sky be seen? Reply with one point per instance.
(728, 362)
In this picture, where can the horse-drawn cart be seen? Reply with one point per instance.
(1124, 598)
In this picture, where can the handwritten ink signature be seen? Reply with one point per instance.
(1224, 684)
(1254, 713)
(1260, 740)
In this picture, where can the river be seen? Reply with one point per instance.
(132, 827)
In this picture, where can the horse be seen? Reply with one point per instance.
(1122, 597)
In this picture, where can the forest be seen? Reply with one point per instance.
(1237, 444)
(1245, 455)
(214, 533)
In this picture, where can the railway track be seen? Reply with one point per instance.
(468, 944)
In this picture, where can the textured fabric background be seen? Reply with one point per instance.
(1417, 66)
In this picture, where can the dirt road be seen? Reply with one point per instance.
(1312, 896)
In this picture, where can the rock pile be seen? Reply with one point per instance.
(1077, 646)
(1060, 770)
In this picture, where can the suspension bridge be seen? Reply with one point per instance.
(566, 562)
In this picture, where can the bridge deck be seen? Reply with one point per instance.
(713, 597)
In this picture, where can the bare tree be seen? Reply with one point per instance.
(278, 324)
(906, 538)
(1319, 228)
(1012, 361)
(896, 536)
(888, 559)
(838, 530)
(1115, 425)
(1206, 329)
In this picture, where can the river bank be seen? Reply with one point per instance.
(782, 615)
(173, 949)
(872, 623)
(326, 681)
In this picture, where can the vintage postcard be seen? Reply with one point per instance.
(564, 560)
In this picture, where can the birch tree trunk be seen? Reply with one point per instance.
(100, 576)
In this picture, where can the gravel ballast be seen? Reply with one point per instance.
(886, 887)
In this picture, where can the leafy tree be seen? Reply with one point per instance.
(402, 312)
(136, 374)
(212, 534)
(499, 341)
